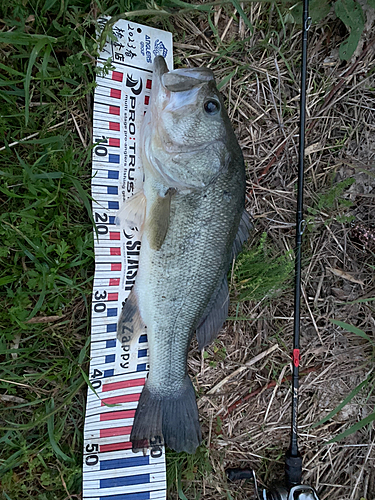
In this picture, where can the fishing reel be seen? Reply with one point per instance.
(279, 492)
(300, 492)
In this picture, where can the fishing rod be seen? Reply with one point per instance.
(292, 489)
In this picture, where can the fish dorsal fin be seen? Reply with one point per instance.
(133, 211)
(214, 316)
(130, 325)
(158, 220)
(242, 234)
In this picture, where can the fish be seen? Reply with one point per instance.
(192, 220)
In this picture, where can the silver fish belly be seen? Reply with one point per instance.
(193, 224)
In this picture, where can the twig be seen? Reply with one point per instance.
(268, 386)
(242, 368)
(34, 135)
(79, 132)
(43, 319)
(280, 379)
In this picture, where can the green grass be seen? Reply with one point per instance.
(46, 246)
(261, 271)
(185, 472)
(332, 204)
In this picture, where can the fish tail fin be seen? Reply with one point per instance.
(171, 420)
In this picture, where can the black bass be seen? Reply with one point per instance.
(192, 219)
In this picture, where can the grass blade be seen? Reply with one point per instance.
(5, 280)
(353, 393)
(352, 329)
(237, 6)
(354, 428)
(181, 494)
(34, 54)
(226, 79)
(51, 428)
(18, 38)
(84, 197)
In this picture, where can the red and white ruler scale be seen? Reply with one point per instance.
(111, 471)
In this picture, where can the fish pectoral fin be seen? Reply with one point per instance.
(242, 234)
(158, 222)
(214, 316)
(133, 211)
(130, 324)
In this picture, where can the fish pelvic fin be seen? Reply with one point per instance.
(214, 316)
(130, 324)
(171, 420)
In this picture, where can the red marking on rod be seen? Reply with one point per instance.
(296, 357)
(124, 384)
(115, 447)
(114, 235)
(114, 281)
(124, 398)
(115, 251)
(116, 267)
(116, 75)
(148, 84)
(114, 110)
(114, 142)
(117, 415)
(114, 126)
(147, 99)
(115, 93)
(116, 431)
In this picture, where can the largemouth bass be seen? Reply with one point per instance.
(192, 219)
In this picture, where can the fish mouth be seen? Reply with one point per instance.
(180, 80)
(166, 83)
(160, 67)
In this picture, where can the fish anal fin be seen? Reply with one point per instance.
(242, 234)
(133, 211)
(130, 325)
(158, 220)
(214, 316)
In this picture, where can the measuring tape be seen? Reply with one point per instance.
(111, 471)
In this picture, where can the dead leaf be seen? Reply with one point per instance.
(345, 276)
(313, 148)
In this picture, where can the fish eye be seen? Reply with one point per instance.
(211, 107)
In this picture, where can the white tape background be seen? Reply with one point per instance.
(111, 471)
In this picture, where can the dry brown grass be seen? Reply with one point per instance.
(263, 103)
